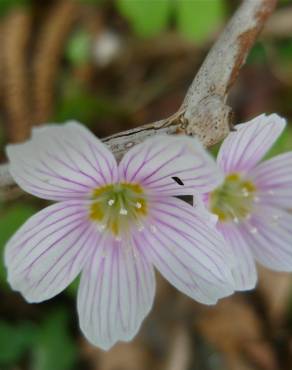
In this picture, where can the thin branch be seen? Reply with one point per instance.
(204, 112)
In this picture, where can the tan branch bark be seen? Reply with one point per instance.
(204, 112)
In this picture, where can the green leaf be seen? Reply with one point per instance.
(73, 287)
(147, 17)
(196, 20)
(10, 220)
(15, 340)
(284, 50)
(6, 5)
(55, 348)
(78, 104)
(214, 150)
(257, 55)
(78, 49)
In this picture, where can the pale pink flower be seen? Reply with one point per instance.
(113, 223)
(252, 202)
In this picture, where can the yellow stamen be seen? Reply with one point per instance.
(118, 206)
(233, 200)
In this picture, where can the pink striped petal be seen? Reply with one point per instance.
(245, 147)
(244, 272)
(159, 161)
(61, 162)
(188, 251)
(273, 179)
(115, 294)
(49, 250)
(269, 235)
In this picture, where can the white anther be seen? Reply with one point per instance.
(101, 227)
(140, 228)
(271, 192)
(153, 228)
(123, 211)
(275, 219)
(118, 238)
(253, 230)
(138, 205)
(245, 193)
(111, 202)
(236, 220)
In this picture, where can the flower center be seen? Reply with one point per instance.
(233, 200)
(116, 207)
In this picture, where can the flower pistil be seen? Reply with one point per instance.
(115, 207)
(233, 200)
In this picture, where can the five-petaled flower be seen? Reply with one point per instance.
(252, 202)
(114, 222)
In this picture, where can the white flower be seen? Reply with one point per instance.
(113, 223)
(252, 202)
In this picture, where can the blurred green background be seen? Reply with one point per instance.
(112, 65)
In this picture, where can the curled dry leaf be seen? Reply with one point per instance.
(230, 324)
(124, 356)
(234, 328)
(275, 288)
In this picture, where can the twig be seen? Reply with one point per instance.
(204, 112)
(180, 350)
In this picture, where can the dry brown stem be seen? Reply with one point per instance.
(53, 36)
(204, 112)
(16, 32)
